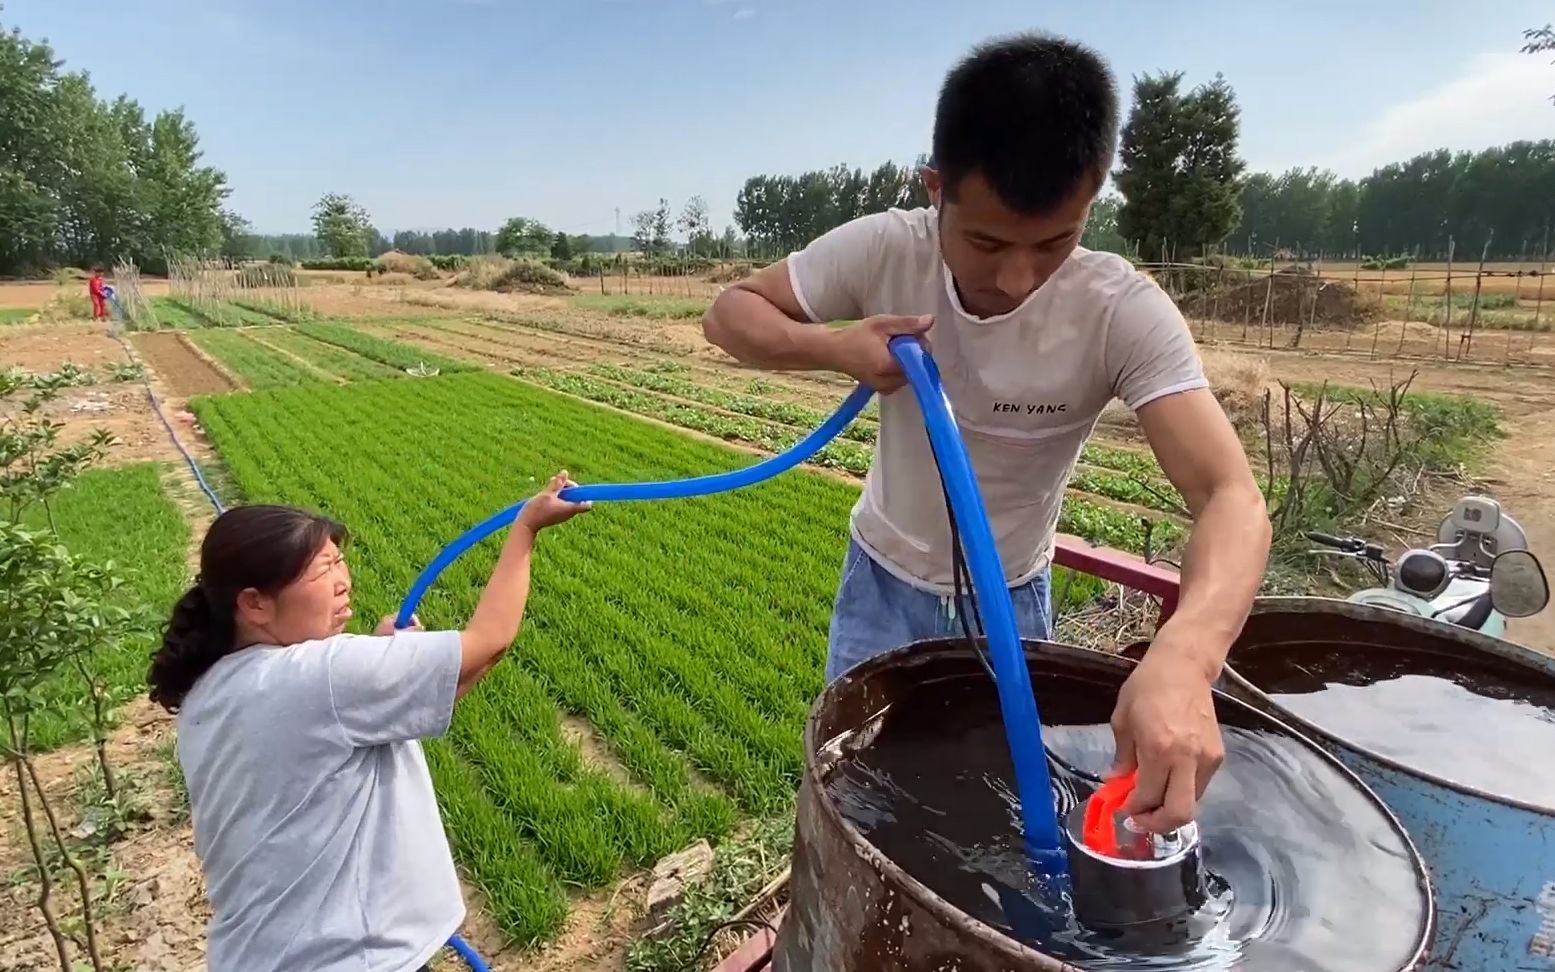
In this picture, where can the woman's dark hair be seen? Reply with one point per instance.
(1036, 116)
(259, 547)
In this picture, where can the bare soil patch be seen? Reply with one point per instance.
(1287, 297)
(177, 364)
(120, 408)
(27, 293)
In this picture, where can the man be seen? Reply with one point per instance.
(1034, 335)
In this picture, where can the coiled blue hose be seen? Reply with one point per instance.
(1023, 726)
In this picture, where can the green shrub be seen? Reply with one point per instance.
(339, 263)
(1399, 262)
(254, 275)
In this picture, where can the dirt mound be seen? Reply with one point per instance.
(1292, 297)
(730, 273)
(416, 266)
(513, 276)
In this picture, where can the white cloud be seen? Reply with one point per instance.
(1500, 98)
(745, 13)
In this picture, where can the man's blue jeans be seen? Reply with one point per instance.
(875, 612)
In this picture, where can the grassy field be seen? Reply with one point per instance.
(260, 367)
(390, 353)
(646, 306)
(336, 360)
(91, 517)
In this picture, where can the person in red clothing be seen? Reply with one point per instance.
(94, 288)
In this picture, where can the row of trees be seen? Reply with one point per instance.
(779, 212)
(1182, 193)
(653, 231)
(1501, 196)
(84, 180)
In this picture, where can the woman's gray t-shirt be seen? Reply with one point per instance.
(314, 817)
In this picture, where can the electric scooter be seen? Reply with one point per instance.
(1477, 574)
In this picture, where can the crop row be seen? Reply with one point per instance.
(1139, 483)
(260, 367)
(690, 634)
(391, 353)
(91, 517)
(771, 436)
(1093, 521)
(331, 358)
(178, 312)
(753, 405)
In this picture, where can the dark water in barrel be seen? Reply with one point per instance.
(1305, 872)
(1477, 723)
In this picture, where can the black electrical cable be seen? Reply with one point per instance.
(968, 614)
(707, 943)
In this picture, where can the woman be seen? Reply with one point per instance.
(314, 817)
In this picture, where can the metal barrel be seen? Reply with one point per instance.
(1491, 857)
(853, 909)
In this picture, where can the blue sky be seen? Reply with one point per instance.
(464, 112)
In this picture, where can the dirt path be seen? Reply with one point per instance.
(178, 365)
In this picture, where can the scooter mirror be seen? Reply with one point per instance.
(1518, 587)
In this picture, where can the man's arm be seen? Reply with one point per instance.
(1228, 546)
(1165, 719)
(761, 322)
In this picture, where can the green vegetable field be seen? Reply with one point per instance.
(259, 366)
(90, 517)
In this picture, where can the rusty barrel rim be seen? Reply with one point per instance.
(1504, 651)
(920, 652)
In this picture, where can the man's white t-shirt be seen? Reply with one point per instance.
(1026, 387)
(314, 817)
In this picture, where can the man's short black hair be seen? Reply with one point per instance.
(1036, 115)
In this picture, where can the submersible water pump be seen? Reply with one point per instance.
(1124, 876)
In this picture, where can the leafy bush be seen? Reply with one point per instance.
(1399, 262)
(590, 264)
(339, 263)
(252, 275)
(452, 262)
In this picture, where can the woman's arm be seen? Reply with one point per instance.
(501, 608)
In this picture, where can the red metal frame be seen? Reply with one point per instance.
(1120, 568)
(755, 953)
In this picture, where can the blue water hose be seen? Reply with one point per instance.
(1017, 703)
(1023, 726)
(670, 489)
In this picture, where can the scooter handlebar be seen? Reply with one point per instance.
(1329, 540)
